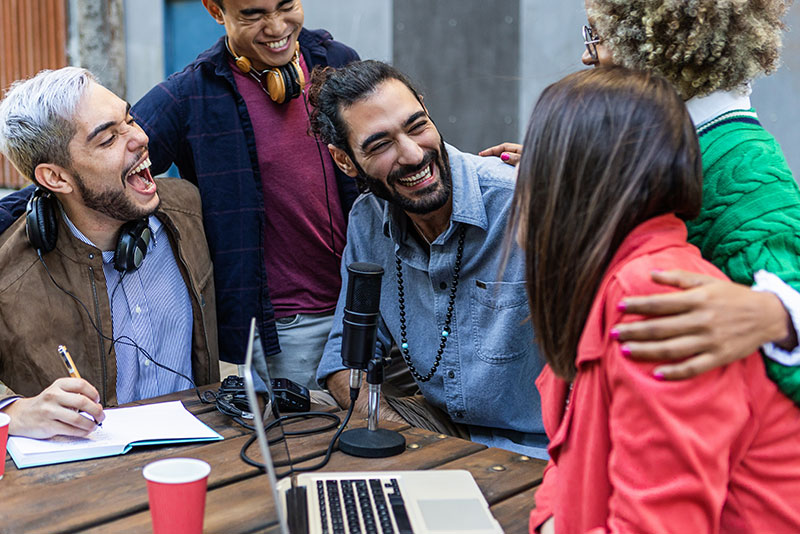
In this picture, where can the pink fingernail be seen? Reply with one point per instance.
(626, 351)
(504, 156)
(658, 270)
(614, 333)
(621, 306)
(659, 376)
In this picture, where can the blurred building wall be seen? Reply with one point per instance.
(551, 46)
(365, 25)
(96, 40)
(481, 64)
(465, 56)
(777, 97)
(144, 39)
(33, 36)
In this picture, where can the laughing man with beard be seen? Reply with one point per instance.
(435, 220)
(76, 285)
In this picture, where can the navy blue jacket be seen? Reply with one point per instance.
(198, 120)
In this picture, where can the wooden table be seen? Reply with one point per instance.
(109, 495)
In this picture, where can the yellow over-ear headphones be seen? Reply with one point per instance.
(280, 83)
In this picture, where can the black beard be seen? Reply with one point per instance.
(426, 200)
(113, 204)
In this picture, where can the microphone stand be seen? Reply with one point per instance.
(371, 442)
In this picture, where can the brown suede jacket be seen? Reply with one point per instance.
(36, 316)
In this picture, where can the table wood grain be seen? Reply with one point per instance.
(110, 495)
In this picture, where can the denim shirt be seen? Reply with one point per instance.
(487, 373)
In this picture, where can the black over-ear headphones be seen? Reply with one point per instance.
(134, 236)
(281, 83)
(41, 227)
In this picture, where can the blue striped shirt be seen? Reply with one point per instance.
(150, 306)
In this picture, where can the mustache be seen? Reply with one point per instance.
(405, 170)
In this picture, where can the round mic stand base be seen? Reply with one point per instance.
(378, 443)
(371, 442)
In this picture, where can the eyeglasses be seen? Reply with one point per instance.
(590, 40)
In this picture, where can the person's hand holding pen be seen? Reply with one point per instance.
(57, 409)
(73, 373)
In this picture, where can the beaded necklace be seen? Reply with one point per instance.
(448, 319)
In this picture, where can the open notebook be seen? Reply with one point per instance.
(164, 423)
(403, 502)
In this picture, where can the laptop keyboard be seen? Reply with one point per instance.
(362, 506)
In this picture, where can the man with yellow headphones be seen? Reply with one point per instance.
(235, 122)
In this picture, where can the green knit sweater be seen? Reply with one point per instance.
(751, 212)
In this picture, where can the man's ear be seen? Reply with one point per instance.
(214, 10)
(422, 103)
(343, 161)
(54, 177)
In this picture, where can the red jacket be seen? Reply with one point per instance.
(716, 453)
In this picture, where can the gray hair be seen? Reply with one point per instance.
(36, 118)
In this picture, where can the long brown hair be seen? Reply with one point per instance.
(606, 149)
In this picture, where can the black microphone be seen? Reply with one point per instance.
(361, 312)
(359, 334)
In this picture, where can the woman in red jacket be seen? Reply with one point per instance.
(611, 165)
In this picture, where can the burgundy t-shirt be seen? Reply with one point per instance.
(302, 267)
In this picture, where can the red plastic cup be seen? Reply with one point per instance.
(176, 488)
(4, 421)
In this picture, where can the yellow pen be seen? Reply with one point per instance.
(68, 363)
(73, 372)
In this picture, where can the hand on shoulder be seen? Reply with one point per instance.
(508, 152)
(711, 323)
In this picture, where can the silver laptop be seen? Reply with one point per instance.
(383, 502)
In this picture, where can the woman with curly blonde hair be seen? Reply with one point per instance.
(749, 224)
(710, 50)
(701, 46)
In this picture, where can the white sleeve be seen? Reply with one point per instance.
(790, 298)
(6, 402)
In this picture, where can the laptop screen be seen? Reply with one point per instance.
(270, 415)
(272, 447)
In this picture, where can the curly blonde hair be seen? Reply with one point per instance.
(701, 46)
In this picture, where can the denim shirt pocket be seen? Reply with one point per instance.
(499, 313)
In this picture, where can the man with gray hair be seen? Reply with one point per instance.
(107, 261)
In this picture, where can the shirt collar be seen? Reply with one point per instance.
(108, 255)
(705, 108)
(468, 205)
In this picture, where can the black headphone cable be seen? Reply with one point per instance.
(130, 342)
(324, 179)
